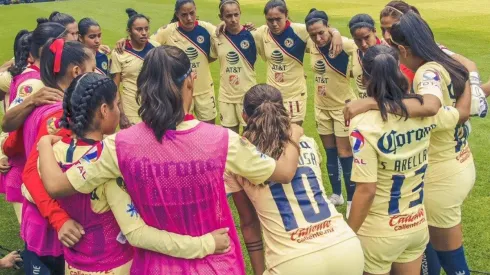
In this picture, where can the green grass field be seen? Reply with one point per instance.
(460, 25)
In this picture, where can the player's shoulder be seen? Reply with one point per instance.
(368, 121)
(298, 26)
(348, 44)
(432, 71)
(206, 25)
(154, 43)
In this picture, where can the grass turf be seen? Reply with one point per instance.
(459, 25)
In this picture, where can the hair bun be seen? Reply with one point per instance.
(131, 12)
(312, 10)
(53, 14)
(42, 20)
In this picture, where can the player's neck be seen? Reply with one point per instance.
(94, 135)
(137, 45)
(235, 30)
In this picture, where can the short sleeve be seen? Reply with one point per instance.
(161, 35)
(245, 160)
(231, 183)
(428, 81)
(115, 63)
(365, 166)
(5, 80)
(122, 206)
(214, 46)
(447, 118)
(96, 167)
(301, 31)
(26, 88)
(258, 36)
(349, 46)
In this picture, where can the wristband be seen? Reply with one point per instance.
(475, 78)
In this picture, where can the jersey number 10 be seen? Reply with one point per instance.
(284, 206)
(396, 191)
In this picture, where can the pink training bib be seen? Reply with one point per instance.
(177, 185)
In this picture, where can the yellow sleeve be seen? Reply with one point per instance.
(365, 166)
(258, 36)
(5, 79)
(349, 46)
(231, 183)
(26, 89)
(301, 31)
(115, 63)
(447, 118)
(245, 160)
(85, 175)
(427, 81)
(214, 49)
(161, 35)
(26, 194)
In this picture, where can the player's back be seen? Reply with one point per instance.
(297, 218)
(394, 155)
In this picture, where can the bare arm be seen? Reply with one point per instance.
(251, 231)
(288, 162)
(467, 63)
(486, 88)
(463, 104)
(361, 203)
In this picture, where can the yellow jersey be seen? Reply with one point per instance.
(394, 154)
(284, 56)
(357, 73)
(237, 55)
(26, 88)
(332, 75)
(5, 80)
(129, 64)
(449, 148)
(199, 47)
(296, 218)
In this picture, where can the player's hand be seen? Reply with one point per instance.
(479, 105)
(45, 96)
(356, 107)
(220, 28)
(222, 240)
(337, 45)
(105, 49)
(120, 44)
(296, 132)
(249, 26)
(4, 165)
(11, 260)
(70, 233)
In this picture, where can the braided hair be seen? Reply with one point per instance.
(22, 46)
(85, 95)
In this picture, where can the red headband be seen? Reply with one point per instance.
(57, 49)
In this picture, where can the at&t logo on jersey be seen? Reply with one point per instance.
(277, 57)
(357, 141)
(233, 58)
(392, 141)
(191, 53)
(320, 67)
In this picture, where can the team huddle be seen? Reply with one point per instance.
(113, 164)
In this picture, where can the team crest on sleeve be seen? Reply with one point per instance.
(357, 141)
(200, 39)
(431, 75)
(25, 90)
(289, 42)
(53, 125)
(245, 44)
(93, 154)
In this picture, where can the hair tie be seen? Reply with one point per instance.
(57, 49)
(228, 2)
(80, 80)
(395, 9)
(182, 78)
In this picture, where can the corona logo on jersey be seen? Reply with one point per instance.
(357, 141)
(232, 58)
(392, 141)
(407, 221)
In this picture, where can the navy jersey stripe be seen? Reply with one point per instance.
(339, 64)
(249, 54)
(199, 37)
(296, 49)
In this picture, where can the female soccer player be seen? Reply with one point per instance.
(89, 112)
(392, 13)
(332, 91)
(126, 67)
(90, 34)
(391, 152)
(194, 38)
(68, 21)
(303, 232)
(237, 53)
(189, 157)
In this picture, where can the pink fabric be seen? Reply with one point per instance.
(12, 180)
(177, 185)
(39, 236)
(98, 250)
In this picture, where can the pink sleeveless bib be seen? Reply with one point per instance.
(99, 249)
(13, 179)
(38, 234)
(177, 185)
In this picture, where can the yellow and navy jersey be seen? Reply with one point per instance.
(129, 64)
(284, 54)
(394, 154)
(199, 47)
(452, 144)
(296, 218)
(332, 75)
(237, 54)
(5, 80)
(103, 63)
(357, 73)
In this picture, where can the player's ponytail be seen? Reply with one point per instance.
(413, 32)
(22, 47)
(61, 18)
(385, 82)
(83, 98)
(133, 15)
(178, 5)
(360, 21)
(58, 56)
(268, 124)
(160, 85)
(42, 34)
(396, 9)
(315, 16)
